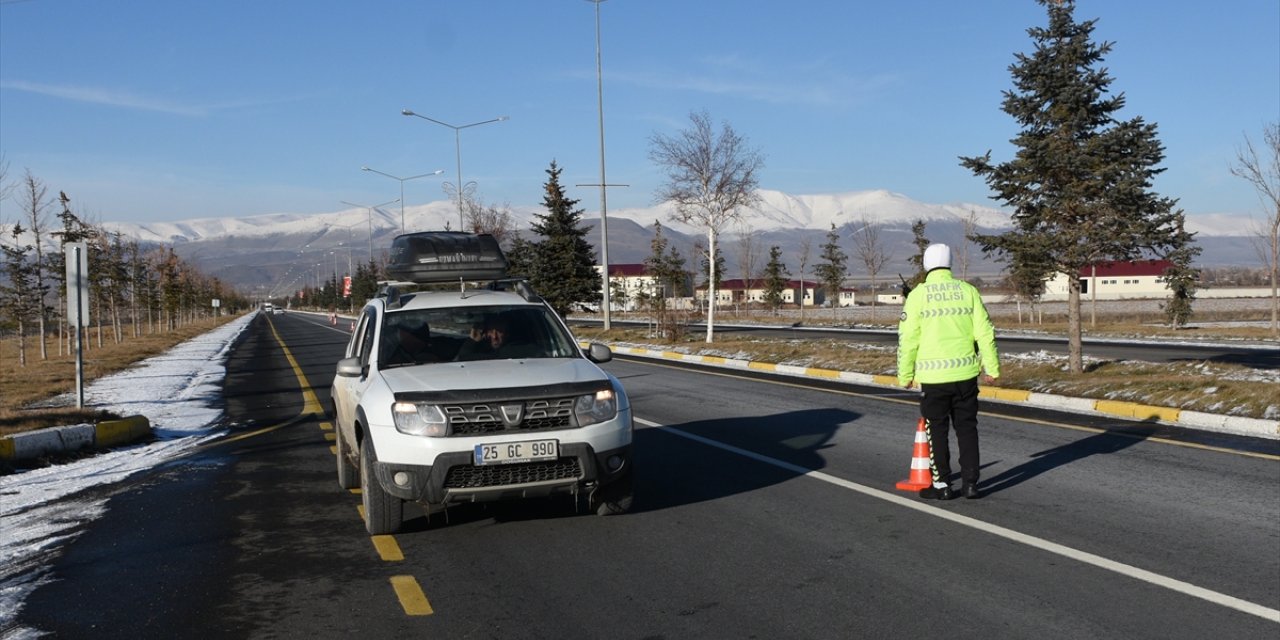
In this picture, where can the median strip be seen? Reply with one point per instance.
(1239, 425)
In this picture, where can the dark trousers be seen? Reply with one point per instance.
(945, 405)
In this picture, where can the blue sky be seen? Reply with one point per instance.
(162, 111)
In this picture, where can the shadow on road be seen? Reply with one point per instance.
(672, 471)
(1050, 459)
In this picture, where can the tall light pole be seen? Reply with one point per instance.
(402, 181)
(370, 208)
(604, 185)
(457, 149)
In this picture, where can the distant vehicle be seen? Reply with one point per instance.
(267, 307)
(278, 310)
(449, 394)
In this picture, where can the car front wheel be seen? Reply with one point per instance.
(383, 512)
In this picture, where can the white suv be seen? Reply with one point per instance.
(467, 395)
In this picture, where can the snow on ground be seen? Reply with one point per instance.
(178, 391)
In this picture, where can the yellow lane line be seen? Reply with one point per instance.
(311, 403)
(1047, 423)
(411, 596)
(388, 548)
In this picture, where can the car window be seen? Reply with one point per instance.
(422, 336)
(367, 322)
(353, 343)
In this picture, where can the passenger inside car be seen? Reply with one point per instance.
(409, 344)
(504, 336)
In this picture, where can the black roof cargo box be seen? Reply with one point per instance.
(446, 256)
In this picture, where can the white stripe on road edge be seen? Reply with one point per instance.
(1009, 534)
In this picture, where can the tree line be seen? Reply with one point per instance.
(133, 289)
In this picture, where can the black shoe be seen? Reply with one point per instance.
(934, 493)
(970, 491)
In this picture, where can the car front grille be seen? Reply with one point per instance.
(491, 417)
(474, 477)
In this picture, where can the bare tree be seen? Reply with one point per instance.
(970, 223)
(6, 187)
(806, 247)
(1264, 174)
(748, 256)
(491, 219)
(710, 177)
(871, 251)
(35, 205)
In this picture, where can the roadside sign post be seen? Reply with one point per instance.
(77, 256)
(217, 307)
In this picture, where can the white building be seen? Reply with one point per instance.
(1114, 281)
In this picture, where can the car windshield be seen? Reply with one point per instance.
(423, 336)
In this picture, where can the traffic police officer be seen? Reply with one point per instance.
(945, 340)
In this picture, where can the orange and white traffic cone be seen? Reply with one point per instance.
(921, 476)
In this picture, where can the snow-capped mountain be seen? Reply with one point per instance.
(278, 249)
(776, 211)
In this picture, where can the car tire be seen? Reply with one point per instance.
(347, 476)
(614, 498)
(383, 512)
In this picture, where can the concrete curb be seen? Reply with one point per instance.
(55, 440)
(1254, 427)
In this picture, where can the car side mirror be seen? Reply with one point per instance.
(599, 353)
(350, 368)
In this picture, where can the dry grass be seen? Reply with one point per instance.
(1201, 386)
(26, 393)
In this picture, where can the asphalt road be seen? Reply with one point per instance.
(1244, 354)
(765, 509)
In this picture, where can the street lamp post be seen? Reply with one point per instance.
(370, 209)
(402, 181)
(604, 185)
(457, 149)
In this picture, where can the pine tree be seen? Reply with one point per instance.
(1079, 184)
(1182, 278)
(832, 268)
(73, 230)
(520, 257)
(19, 293)
(667, 267)
(775, 279)
(922, 242)
(364, 285)
(705, 266)
(564, 262)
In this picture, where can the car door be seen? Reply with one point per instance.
(347, 390)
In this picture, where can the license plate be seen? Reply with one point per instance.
(509, 452)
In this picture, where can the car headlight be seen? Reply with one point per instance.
(595, 407)
(419, 419)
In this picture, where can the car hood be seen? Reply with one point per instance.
(491, 374)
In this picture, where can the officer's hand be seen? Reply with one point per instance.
(910, 383)
(986, 379)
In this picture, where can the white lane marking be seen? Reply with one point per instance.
(1009, 534)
